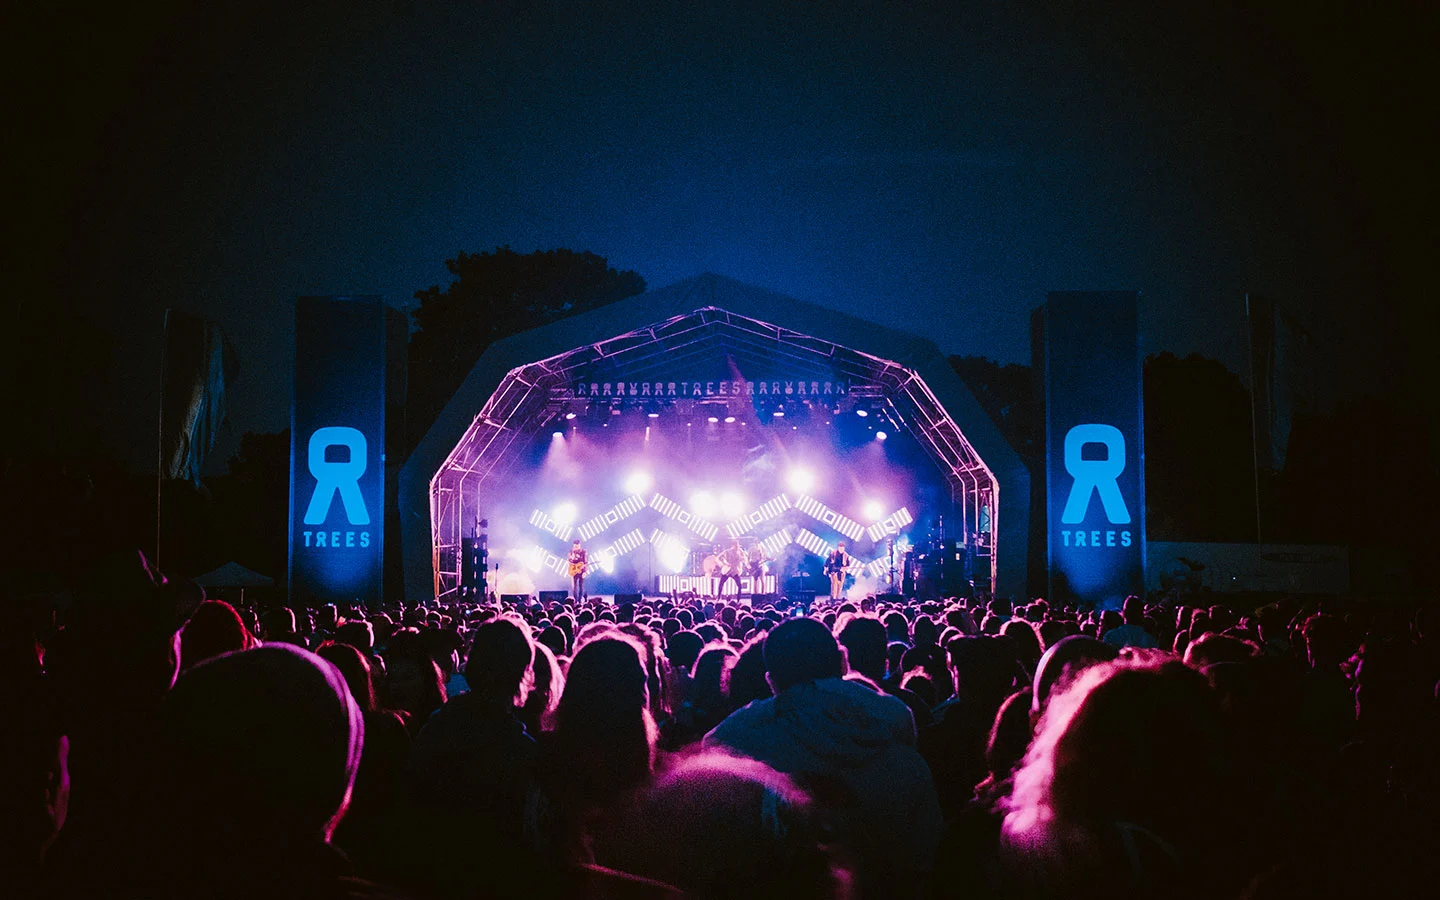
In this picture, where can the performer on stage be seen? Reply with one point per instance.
(837, 566)
(579, 560)
(733, 562)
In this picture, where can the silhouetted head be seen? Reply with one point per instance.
(214, 628)
(864, 640)
(719, 826)
(260, 746)
(355, 668)
(1068, 657)
(801, 650)
(501, 655)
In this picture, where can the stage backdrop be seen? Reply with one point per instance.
(337, 450)
(1095, 461)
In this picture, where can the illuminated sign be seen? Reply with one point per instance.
(723, 388)
(337, 465)
(1094, 446)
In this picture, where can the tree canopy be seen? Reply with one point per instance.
(493, 296)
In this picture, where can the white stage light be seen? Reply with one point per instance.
(703, 504)
(801, 481)
(779, 414)
(607, 563)
(729, 419)
(654, 415)
(557, 435)
(861, 413)
(873, 509)
(569, 416)
(637, 482)
(712, 420)
(564, 514)
(731, 505)
(880, 435)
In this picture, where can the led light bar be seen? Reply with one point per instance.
(827, 516)
(672, 510)
(891, 524)
(622, 510)
(814, 543)
(762, 513)
(543, 522)
(776, 542)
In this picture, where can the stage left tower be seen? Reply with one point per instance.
(346, 425)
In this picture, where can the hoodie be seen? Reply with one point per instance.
(855, 750)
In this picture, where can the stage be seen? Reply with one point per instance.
(678, 433)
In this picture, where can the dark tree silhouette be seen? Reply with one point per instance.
(252, 502)
(1006, 393)
(495, 295)
(1199, 459)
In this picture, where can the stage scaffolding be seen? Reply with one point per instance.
(532, 396)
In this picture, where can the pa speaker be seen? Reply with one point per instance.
(622, 599)
(553, 596)
(516, 599)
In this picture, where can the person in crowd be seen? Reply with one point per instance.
(603, 748)
(368, 828)
(1131, 633)
(1096, 810)
(719, 826)
(854, 745)
(985, 671)
(256, 760)
(277, 626)
(537, 713)
(471, 767)
(214, 628)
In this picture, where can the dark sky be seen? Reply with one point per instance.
(935, 167)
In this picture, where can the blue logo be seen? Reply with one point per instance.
(1095, 476)
(341, 478)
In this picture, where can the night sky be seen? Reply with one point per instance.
(934, 167)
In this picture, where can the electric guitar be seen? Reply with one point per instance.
(578, 566)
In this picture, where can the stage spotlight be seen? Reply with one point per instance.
(731, 505)
(880, 435)
(801, 481)
(712, 420)
(861, 413)
(637, 482)
(564, 514)
(569, 416)
(703, 504)
(607, 563)
(779, 414)
(654, 415)
(558, 435)
(873, 509)
(729, 420)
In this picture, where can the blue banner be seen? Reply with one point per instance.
(1095, 451)
(337, 450)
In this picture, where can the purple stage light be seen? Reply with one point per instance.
(873, 509)
(637, 482)
(564, 514)
(731, 504)
(703, 503)
(880, 435)
(801, 481)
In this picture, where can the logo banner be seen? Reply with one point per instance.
(337, 450)
(1095, 461)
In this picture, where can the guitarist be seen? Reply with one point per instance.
(837, 566)
(733, 562)
(579, 561)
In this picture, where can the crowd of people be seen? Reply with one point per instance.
(167, 746)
